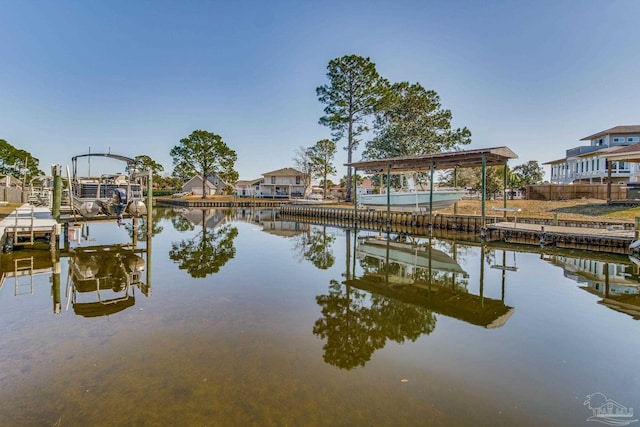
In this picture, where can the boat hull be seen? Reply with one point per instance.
(417, 200)
(407, 254)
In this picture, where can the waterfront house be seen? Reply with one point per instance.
(247, 188)
(589, 164)
(213, 185)
(282, 183)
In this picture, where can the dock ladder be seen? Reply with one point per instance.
(23, 267)
(24, 227)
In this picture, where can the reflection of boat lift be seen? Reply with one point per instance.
(112, 273)
(504, 266)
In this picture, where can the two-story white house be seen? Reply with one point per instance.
(282, 183)
(589, 164)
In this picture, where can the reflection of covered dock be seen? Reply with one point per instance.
(418, 275)
(474, 309)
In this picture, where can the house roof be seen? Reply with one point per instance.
(284, 172)
(208, 183)
(629, 153)
(555, 162)
(243, 182)
(616, 129)
(599, 152)
(12, 180)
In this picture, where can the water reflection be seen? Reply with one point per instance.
(19, 268)
(313, 244)
(298, 336)
(211, 248)
(401, 284)
(616, 281)
(102, 279)
(316, 245)
(270, 222)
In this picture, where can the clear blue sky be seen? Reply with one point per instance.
(137, 76)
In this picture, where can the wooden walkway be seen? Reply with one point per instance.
(614, 239)
(26, 224)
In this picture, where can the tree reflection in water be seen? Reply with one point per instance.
(316, 246)
(208, 251)
(356, 324)
(138, 229)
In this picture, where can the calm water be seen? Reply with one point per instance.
(236, 318)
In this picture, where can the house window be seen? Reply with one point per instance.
(273, 179)
(298, 180)
(633, 139)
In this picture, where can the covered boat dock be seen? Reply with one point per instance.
(482, 157)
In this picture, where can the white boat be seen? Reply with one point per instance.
(110, 195)
(412, 200)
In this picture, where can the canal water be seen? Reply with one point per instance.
(236, 318)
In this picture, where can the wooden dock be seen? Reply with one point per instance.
(568, 234)
(613, 239)
(27, 224)
(236, 203)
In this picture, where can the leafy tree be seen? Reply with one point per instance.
(413, 122)
(357, 177)
(322, 157)
(204, 153)
(15, 162)
(353, 94)
(302, 162)
(183, 172)
(529, 173)
(328, 182)
(146, 163)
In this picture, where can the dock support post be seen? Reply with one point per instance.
(455, 185)
(609, 166)
(388, 196)
(56, 171)
(483, 189)
(431, 168)
(355, 197)
(504, 191)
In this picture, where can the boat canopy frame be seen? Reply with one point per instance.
(128, 160)
(482, 157)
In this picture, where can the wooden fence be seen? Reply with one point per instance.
(575, 191)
